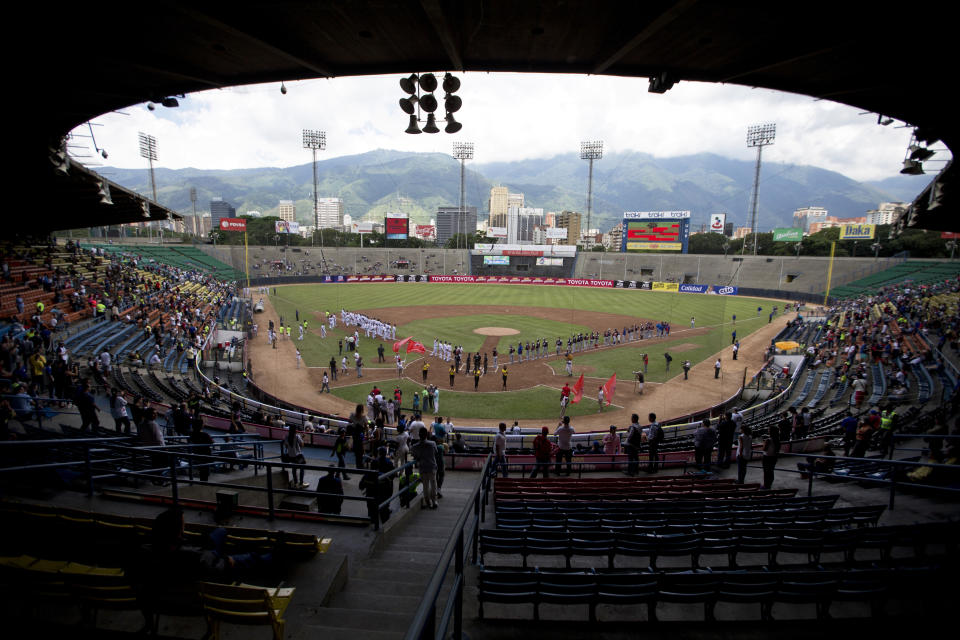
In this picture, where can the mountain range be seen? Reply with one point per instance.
(378, 181)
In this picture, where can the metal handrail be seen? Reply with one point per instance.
(424, 623)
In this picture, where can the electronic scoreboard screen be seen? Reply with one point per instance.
(496, 260)
(660, 235)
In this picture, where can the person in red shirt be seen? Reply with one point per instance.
(564, 399)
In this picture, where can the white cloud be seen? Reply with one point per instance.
(508, 117)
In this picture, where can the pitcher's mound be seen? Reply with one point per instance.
(496, 331)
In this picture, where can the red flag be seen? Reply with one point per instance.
(577, 390)
(398, 344)
(413, 345)
(610, 388)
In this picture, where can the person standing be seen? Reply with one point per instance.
(541, 451)
(686, 369)
(703, 440)
(632, 447)
(326, 383)
(716, 369)
(771, 450)
(118, 407)
(600, 399)
(744, 452)
(380, 353)
(88, 407)
(646, 361)
(293, 444)
(564, 399)
(357, 429)
(476, 378)
(733, 334)
(564, 435)
(654, 438)
(299, 357)
(333, 367)
(425, 453)
(426, 370)
(504, 374)
(500, 450)
(611, 442)
(736, 349)
(667, 358)
(725, 431)
(569, 364)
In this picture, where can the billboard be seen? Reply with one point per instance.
(788, 234)
(694, 288)
(362, 227)
(557, 233)
(857, 231)
(665, 286)
(717, 220)
(233, 224)
(426, 231)
(496, 232)
(549, 262)
(496, 260)
(396, 227)
(285, 226)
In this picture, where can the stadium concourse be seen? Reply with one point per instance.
(274, 371)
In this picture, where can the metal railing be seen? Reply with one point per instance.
(425, 624)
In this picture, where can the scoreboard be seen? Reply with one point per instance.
(656, 231)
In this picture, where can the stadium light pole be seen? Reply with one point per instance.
(759, 136)
(590, 151)
(148, 150)
(462, 151)
(315, 140)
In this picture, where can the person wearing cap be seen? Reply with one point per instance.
(611, 442)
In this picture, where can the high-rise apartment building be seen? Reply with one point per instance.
(329, 213)
(886, 213)
(571, 221)
(288, 211)
(220, 208)
(521, 222)
(450, 221)
(806, 216)
(500, 202)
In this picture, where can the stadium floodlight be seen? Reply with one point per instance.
(590, 151)
(759, 136)
(316, 141)
(148, 150)
(462, 151)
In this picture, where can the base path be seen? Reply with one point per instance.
(274, 371)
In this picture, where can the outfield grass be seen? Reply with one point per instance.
(526, 404)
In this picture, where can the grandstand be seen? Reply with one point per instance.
(183, 257)
(915, 272)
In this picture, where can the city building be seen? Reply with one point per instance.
(832, 221)
(521, 222)
(220, 208)
(742, 232)
(500, 202)
(287, 211)
(329, 213)
(886, 213)
(451, 221)
(571, 221)
(805, 216)
(613, 239)
(252, 214)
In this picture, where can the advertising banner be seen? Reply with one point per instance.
(949, 235)
(549, 262)
(694, 288)
(665, 286)
(496, 260)
(606, 284)
(557, 233)
(722, 290)
(496, 232)
(233, 224)
(426, 231)
(653, 215)
(857, 231)
(655, 246)
(645, 286)
(788, 234)
(363, 227)
(285, 226)
(717, 220)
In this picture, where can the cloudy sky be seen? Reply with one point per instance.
(507, 117)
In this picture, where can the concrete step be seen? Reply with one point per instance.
(398, 603)
(381, 587)
(346, 633)
(408, 556)
(412, 574)
(369, 619)
(398, 560)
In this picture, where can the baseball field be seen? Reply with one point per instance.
(484, 317)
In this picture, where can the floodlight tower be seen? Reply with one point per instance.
(462, 151)
(193, 201)
(148, 150)
(759, 136)
(590, 151)
(315, 140)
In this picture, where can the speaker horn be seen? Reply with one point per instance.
(413, 128)
(452, 125)
(428, 82)
(408, 104)
(428, 102)
(409, 85)
(431, 126)
(451, 83)
(452, 103)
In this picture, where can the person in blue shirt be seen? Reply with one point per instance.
(849, 424)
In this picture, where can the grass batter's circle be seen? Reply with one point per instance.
(496, 331)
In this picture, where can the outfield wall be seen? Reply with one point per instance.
(786, 276)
